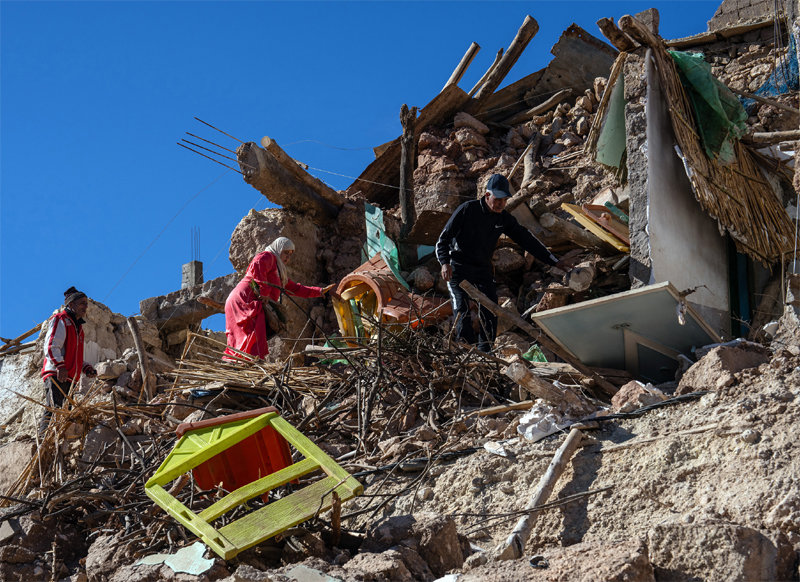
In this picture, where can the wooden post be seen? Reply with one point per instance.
(543, 107)
(514, 546)
(148, 384)
(462, 67)
(566, 399)
(408, 119)
(621, 41)
(299, 171)
(539, 336)
(488, 72)
(524, 35)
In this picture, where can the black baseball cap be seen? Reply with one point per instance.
(498, 186)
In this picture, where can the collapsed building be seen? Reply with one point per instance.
(678, 244)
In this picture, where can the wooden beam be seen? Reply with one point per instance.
(565, 399)
(408, 119)
(774, 136)
(621, 41)
(263, 171)
(572, 232)
(148, 378)
(298, 170)
(524, 35)
(765, 101)
(488, 72)
(537, 335)
(514, 547)
(539, 109)
(463, 65)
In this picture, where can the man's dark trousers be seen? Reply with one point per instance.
(54, 394)
(487, 328)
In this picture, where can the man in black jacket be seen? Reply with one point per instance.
(465, 249)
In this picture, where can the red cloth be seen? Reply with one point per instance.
(245, 324)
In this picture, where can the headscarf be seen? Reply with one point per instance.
(72, 294)
(276, 247)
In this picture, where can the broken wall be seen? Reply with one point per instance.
(732, 12)
(685, 245)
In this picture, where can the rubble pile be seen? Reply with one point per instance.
(620, 437)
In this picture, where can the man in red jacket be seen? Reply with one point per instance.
(63, 352)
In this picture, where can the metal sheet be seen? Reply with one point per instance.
(592, 331)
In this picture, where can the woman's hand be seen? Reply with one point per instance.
(325, 290)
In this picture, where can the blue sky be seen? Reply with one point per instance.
(94, 191)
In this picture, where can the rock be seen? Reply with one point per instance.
(469, 137)
(583, 126)
(438, 542)
(715, 370)
(556, 126)
(426, 140)
(635, 395)
(16, 554)
(386, 566)
(599, 88)
(569, 139)
(247, 573)
(14, 457)
(124, 378)
(507, 260)
(110, 369)
(8, 529)
(463, 119)
(623, 561)
(584, 102)
(727, 551)
(100, 558)
(514, 140)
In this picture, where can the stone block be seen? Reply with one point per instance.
(728, 551)
(715, 370)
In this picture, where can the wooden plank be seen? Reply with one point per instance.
(317, 185)
(595, 229)
(258, 487)
(526, 32)
(463, 65)
(309, 450)
(280, 515)
(214, 539)
(606, 219)
(16, 341)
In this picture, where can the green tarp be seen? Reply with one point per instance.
(719, 115)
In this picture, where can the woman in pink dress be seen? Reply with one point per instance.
(245, 322)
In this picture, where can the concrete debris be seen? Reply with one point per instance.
(718, 368)
(431, 427)
(189, 560)
(635, 395)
